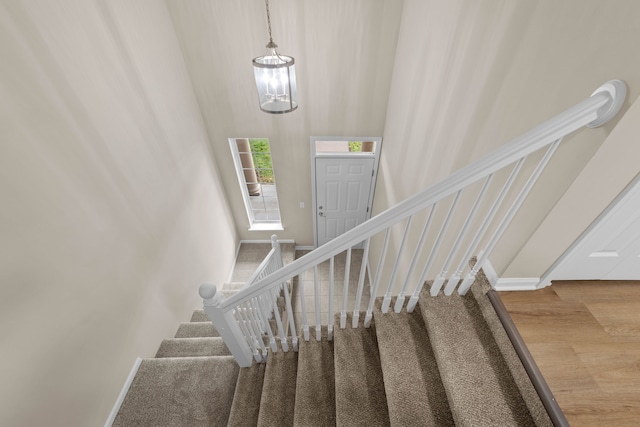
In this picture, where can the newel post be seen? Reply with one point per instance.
(226, 325)
(275, 244)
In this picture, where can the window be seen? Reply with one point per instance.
(342, 147)
(252, 157)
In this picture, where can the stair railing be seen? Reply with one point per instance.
(238, 317)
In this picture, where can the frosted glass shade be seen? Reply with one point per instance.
(276, 82)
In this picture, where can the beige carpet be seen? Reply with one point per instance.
(448, 363)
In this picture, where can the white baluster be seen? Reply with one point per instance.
(411, 305)
(241, 311)
(330, 320)
(434, 249)
(363, 272)
(376, 282)
(455, 278)
(463, 232)
(261, 312)
(226, 325)
(387, 296)
(281, 331)
(258, 325)
(471, 277)
(259, 318)
(345, 289)
(316, 300)
(303, 307)
(445, 226)
(292, 324)
(401, 296)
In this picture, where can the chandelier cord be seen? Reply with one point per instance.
(266, 2)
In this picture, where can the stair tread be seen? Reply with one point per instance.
(480, 387)
(315, 401)
(279, 390)
(251, 255)
(196, 329)
(245, 408)
(176, 392)
(199, 316)
(358, 375)
(192, 347)
(413, 386)
(511, 358)
(233, 286)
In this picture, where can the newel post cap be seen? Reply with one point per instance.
(209, 294)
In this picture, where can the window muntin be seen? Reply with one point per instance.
(254, 166)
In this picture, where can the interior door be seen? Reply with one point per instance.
(611, 249)
(343, 188)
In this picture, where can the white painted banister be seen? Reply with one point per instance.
(591, 110)
(252, 321)
(345, 285)
(226, 325)
(468, 281)
(363, 272)
(387, 296)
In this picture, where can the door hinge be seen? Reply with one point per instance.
(373, 172)
(367, 209)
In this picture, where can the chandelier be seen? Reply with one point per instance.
(275, 78)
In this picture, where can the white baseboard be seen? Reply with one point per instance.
(123, 393)
(305, 248)
(509, 283)
(266, 241)
(517, 284)
(491, 274)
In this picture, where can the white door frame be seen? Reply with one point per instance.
(602, 222)
(314, 155)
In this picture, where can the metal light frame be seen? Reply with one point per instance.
(275, 76)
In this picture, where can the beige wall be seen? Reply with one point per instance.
(613, 166)
(344, 56)
(470, 76)
(114, 161)
(112, 209)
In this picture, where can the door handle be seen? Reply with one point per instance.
(320, 213)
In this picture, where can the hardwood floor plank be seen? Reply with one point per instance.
(545, 322)
(585, 338)
(596, 290)
(618, 318)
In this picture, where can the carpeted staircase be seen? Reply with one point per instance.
(447, 363)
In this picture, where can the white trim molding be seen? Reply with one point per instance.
(123, 393)
(491, 274)
(517, 284)
(509, 283)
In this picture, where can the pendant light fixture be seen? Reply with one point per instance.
(275, 78)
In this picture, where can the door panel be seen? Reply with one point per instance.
(611, 250)
(342, 194)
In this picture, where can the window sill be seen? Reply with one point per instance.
(271, 226)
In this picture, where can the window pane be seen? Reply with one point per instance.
(255, 167)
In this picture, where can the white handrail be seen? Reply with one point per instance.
(252, 302)
(605, 102)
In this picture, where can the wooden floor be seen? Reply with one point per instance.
(585, 338)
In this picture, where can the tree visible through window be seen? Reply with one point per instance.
(257, 180)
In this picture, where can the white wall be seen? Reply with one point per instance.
(613, 166)
(471, 75)
(344, 56)
(112, 209)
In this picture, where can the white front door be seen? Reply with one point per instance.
(611, 249)
(343, 188)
